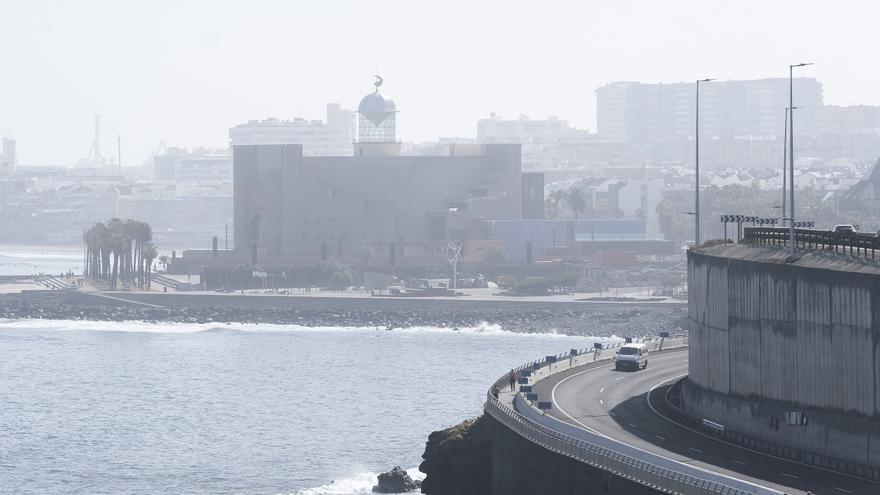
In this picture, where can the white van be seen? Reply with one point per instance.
(631, 356)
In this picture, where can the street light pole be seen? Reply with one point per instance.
(791, 234)
(784, 163)
(697, 167)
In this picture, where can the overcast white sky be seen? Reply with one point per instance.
(185, 71)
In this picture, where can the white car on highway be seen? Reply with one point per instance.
(631, 356)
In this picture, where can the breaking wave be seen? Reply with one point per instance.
(179, 328)
(357, 484)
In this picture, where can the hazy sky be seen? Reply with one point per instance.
(185, 71)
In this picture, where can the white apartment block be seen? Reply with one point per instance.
(331, 138)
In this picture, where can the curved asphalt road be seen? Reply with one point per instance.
(616, 404)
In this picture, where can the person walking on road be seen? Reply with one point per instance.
(511, 377)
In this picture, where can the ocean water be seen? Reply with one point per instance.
(23, 260)
(132, 407)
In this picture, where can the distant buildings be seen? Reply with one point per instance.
(742, 124)
(7, 157)
(287, 204)
(331, 138)
(524, 130)
(856, 119)
(200, 165)
(629, 112)
(544, 141)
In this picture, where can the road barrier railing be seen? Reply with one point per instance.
(662, 474)
(852, 243)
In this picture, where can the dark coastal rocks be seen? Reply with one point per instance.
(458, 460)
(396, 481)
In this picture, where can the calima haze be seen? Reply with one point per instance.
(470, 248)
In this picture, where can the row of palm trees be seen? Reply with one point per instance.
(574, 197)
(129, 244)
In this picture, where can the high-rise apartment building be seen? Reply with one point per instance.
(331, 138)
(637, 113)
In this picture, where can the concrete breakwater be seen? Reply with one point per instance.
(568, 318)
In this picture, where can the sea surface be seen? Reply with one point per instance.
(29, 260)
(109, 408)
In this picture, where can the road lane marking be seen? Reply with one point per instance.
(601, 402)
(788, 475)
(696, 450)
(618, 379)
(633, 426)
(569, 416)
(654, 409)
(739, 462)
(842, 490)
(602, 390)
(660, 437)
(611, 413)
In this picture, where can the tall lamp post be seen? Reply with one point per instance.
(697, 167)
(784, 163)
(791, 234)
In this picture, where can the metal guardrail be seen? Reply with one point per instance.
(621, 464)
(603, 458)
(857, 243)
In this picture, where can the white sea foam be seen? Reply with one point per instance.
(356, 484)
(171, 327)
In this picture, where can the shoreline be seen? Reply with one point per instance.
(581, 319)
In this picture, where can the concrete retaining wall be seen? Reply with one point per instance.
(769, 337)
(520, 467)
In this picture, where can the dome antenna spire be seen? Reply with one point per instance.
(378, 82)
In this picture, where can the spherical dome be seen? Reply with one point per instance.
(376, 103)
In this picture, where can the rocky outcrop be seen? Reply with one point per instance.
(458, 460)
(396, 481)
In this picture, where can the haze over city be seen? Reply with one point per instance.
(184, 72)
(451, 248)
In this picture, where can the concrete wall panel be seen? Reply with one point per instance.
(770, 337)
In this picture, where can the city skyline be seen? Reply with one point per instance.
(202, 59)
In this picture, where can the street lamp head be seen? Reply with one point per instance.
(705, 80)
(802, 64)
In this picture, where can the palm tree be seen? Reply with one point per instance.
(552, 203)
(149, 253)
(129, 242)
(576, 201)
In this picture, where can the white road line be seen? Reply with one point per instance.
(618, 379)
(602, 390)
(739, 462)
(654, 409)
(611, 413)
(660, 437)
(633, 426)
(601, 402)
(842, 490)
(569, 416)
(696, 450)
(788, 475)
